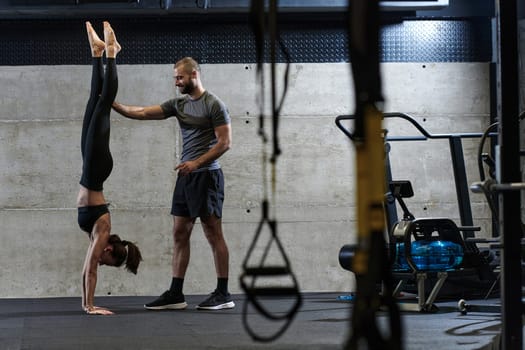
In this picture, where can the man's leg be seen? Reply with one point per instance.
(182, 227)
(212, 227)
(220, 298)
(174, 298)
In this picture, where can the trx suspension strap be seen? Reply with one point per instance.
(370, 263)
(256, 278)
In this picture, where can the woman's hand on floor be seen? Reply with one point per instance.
(96, 310)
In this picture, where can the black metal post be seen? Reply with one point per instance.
(509, 171)
(462, 187)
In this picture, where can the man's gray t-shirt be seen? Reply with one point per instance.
(197, 120)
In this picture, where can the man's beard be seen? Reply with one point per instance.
(187, 88)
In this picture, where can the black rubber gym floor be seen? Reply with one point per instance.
(321, 323)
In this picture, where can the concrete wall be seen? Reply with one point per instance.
(42, 247)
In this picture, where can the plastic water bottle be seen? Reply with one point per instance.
(430, 255)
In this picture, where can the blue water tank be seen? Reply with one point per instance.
(430, 255)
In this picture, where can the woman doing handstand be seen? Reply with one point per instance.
(93, 214)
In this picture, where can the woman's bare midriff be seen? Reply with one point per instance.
(89, 198)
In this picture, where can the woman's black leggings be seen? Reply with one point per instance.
(96, 156)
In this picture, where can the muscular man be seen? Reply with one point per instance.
(199, 191)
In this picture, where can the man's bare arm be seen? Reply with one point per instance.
(224, 140)
(138, 112)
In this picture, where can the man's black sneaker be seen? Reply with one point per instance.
(217, 301)
(168, 300)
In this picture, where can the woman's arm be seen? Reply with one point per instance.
(84, 269)
(101, 233)
(138, 112)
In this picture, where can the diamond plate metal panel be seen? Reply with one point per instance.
(436, 41)
(164, 40)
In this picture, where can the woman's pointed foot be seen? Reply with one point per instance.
(96, 44)
(112, 45)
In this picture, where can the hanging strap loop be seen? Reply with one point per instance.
(255, 294)
(251, 273)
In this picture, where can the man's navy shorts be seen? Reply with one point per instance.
(199, 194)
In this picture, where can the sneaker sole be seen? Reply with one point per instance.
(179, 306)
(228, 305)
